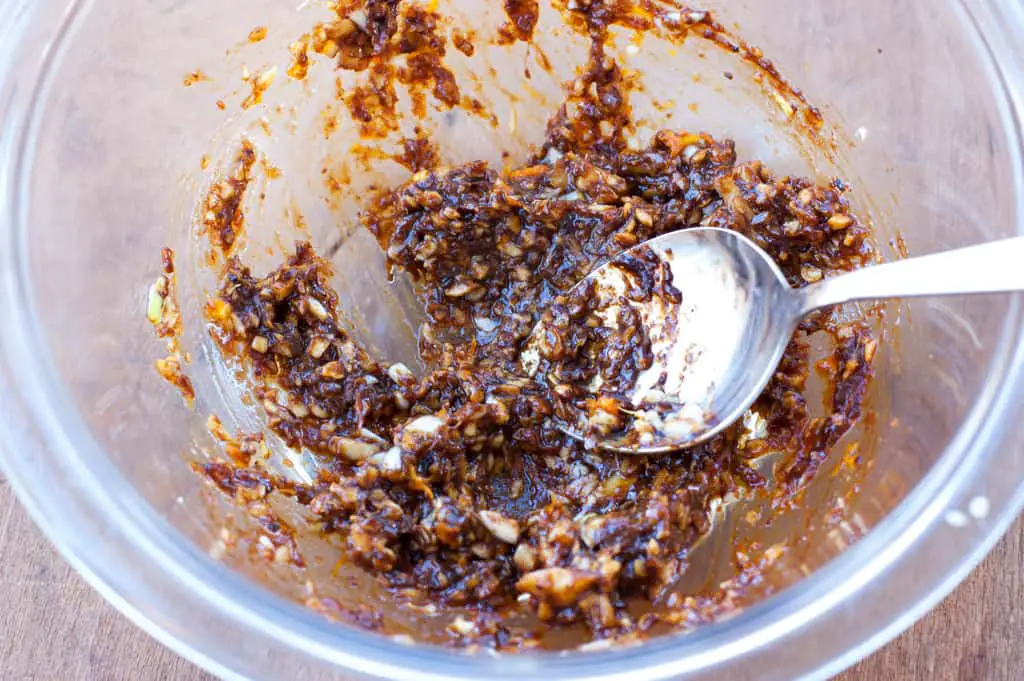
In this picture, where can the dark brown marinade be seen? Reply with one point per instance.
(164, 313)
(522, 20)
(457, 484)
(455, 488)
(587, 334)
(223, 218)
(418, 152)
(393, 43)
(463, 42)
(250, 488)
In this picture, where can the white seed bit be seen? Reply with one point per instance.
(840, 222)
(553, 156)
(810, 274)
(282, 554)
(485, 324)
(755, 427)
(510, 249)
(504, 529)
(670, 19)
(459, 289)
(359, 18)
(332, 370)
(316, 308)
(424, 424)
(370, 435)
(399, 373)
(524, 558)
(299, 410)
(390, 460)
(353, 450)
(463, 626)
(317, 347)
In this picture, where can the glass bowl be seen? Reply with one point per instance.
(102, 147)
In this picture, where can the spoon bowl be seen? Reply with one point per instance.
(713, 314)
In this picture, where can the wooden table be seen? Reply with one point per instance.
(54, 628)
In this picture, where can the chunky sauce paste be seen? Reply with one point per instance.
(454, 488)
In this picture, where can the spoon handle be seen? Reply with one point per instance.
(993, 267)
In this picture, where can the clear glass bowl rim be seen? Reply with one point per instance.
(152, 574)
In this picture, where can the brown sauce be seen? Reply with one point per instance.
(455, 488)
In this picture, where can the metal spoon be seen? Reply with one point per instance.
(716, 347)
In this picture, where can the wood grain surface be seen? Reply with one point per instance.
(53, 627)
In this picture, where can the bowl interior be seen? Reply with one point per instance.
(117, 169)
